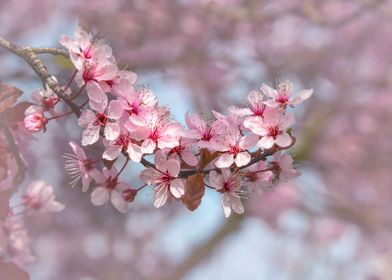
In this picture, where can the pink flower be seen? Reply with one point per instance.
(201, 131)
(123, 143)
(164, 177)
(80, 167)
(234, 147)
(255, 105)
(160, 133)
(284, 164)
(45, 97)
(258, 177)
(109, 188)
(123, 78)
(183, 151)
(85, 48)
(35, 122)
(137, 106)
(14, 240)
(96, 71)
(39, 197)
(273, 129)
(230, 186)
(92, 121)
(283, 95)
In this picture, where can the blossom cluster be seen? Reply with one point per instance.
(235, 154)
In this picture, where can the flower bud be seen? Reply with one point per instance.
(35, 122)
(129, 195)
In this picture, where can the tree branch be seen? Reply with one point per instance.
(28, 55)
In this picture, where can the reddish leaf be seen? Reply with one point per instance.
(206, 157)
(16, 113)
(194, 191)
(12, 272)
(8, 96)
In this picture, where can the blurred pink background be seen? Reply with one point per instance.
(333, 222)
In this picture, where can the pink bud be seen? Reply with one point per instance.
(35, 122)
(129, 195)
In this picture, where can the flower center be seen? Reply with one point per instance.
(234, 150)
(111, 183)
(88, 72)
(273, 131)
(282, 98)
(101, 120)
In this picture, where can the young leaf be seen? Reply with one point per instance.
(194, 191)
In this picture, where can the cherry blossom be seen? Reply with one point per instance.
(234, 147)
(272, 128)
(85, 48)
(255, 105)
(283, 95)
(123, 143)
(39, 197)
(259, 177)
(80, 167)
(164, 177)
(92, 121)
(109, 188)
(183, 151)
(230, 186)
(201, 131)
(284, 163)
(35, 122)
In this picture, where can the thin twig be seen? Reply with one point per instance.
(28, 55)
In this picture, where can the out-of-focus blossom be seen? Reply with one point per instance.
(35, 122)
(164, 178)
(14, 240)
(80, 167)
(259, 177)
(283, 95)
(39, 197)
(230, 186)
(109, 188)
(286, 169)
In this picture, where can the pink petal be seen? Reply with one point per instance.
(90, 135)
(115, 110)
(248, 141)
(100, 196)
(161, 194)
(256, 125)
(242, 159)
(87, 118)
(242, 112)
(112, 152)
(268, 91)
(134, 152)
(79, 152)
(118, 202)
(177, 188)
(215, 180)
(112, 131)
(98, 100)
(266, 142)
(283, 140)
(225, 160)
(148, 146)
(173, 167)
(189, 158)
